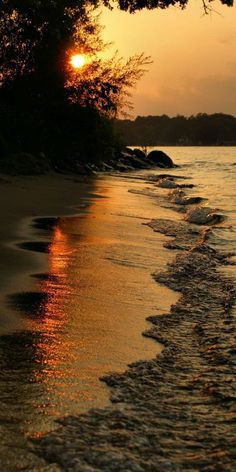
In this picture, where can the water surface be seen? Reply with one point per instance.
(83, 316)
(82, 312)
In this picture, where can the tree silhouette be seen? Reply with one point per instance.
(37, 41)
(135, 5)
(202, 129)
(46, 106)
(36, 36)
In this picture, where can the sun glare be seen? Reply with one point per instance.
(77, 61)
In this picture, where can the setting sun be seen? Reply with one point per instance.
(77, 61)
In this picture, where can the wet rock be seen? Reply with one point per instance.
(139, 153)
(105, 167)
(138, 162)
(80, 168)
(203, 216)
(120, 165)
(129, 151)
(156, 177)
(179, 197)
(160, 158)
(167, 183)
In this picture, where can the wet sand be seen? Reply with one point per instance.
(176, 412)
(23, 198)
(74, 300)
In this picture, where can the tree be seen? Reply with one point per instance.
(36, 36)
(102, 83)
(135, 5)
(37, 41)
(45, 103)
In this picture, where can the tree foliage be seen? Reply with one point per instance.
(37, 42)
(202, 129)
(135, 5)
(36, 36)
(45, 105)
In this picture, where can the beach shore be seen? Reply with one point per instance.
(22, 199)
(177, 411)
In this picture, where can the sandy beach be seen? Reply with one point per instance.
(22, 199)
(176, 411)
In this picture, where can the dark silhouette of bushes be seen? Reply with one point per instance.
(199, 130)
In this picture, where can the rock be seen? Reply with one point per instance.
(179, 198)
(88, 169)
(80, 169)
(133, 161)
(139, 163)
(166, 183)
(24, 164)
(129, 151)
(160, 159)
(104, 167)
(139, 153)
(136, 158)
(203, 216)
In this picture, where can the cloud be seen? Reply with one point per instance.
(193, 95)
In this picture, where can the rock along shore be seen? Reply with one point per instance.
(176, 412)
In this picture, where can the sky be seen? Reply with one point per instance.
(194, 57)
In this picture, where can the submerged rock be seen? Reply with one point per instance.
(167, 183)
(156, 177)
(203, 216)
(179, 197)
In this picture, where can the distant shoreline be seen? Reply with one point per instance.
(181, 145)
(217, 129)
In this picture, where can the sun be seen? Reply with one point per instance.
(77, 61)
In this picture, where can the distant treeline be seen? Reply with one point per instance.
(200, 130)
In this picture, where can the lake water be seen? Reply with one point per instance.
(213, 171)
(85, 315)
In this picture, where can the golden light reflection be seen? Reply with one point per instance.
(82, 328)
(77, 61)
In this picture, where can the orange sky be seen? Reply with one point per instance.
(194, 56)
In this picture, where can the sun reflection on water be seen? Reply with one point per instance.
(89, 308)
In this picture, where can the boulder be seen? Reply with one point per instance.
(105, 167)
(139, 153)
(80, 169)
(160, 159)
(132, 161)
(129, 151)
(24, 164)
(120, 165)
(135, 158)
